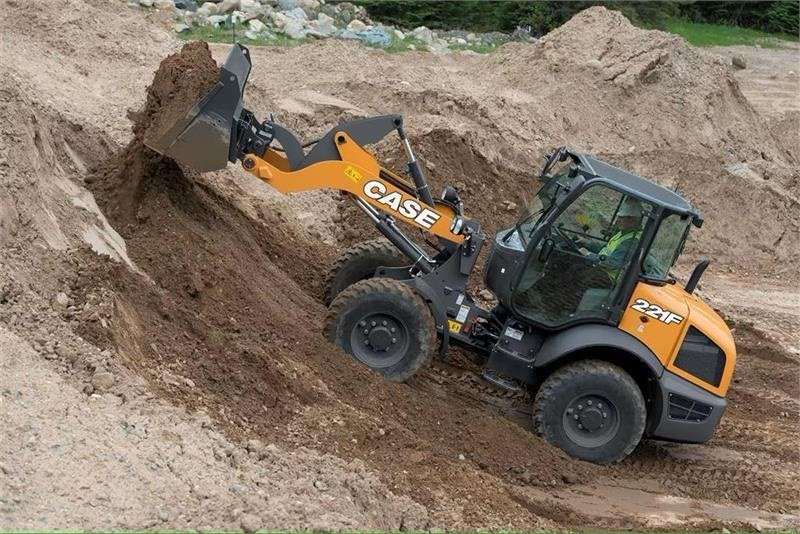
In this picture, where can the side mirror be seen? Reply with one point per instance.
(699, 269)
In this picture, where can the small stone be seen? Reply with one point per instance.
(255, 445)
(320, 485)
(485, 294)
(400, 35)
(163, 515)
(569, 478)
(511, 206)
(462, 457)
(181, 27)
(238, 488)
(146, 3)
(103, 380)
(594, 64)
(250, 523)
(87, 389)
(738, 62)
(725, 531)
(60, 301)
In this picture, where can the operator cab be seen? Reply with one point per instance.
(590, 234)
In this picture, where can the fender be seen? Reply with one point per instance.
(436, 306)
(427, 292)
(595, 335)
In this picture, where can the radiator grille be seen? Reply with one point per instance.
(685, 409)
(701, 357)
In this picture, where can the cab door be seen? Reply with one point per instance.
(565, 277)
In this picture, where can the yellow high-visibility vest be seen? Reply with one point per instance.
(616, 240)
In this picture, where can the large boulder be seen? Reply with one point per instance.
(294, 29)
(423, 34)
(323, 26)
(296, 14)
(207, 9)
(311, 7)
(256, 26)
(356, 26)
(226, 6)
(279, 19)
(188, 5)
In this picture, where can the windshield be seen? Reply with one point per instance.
(541, 203)
(667, 246)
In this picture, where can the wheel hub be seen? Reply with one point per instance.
(591, 420)
(379, 340)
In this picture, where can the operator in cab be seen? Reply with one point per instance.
(614, 254)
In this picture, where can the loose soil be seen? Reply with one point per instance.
(207, 297)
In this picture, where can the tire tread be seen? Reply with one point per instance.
(387, 286)
(597, 368)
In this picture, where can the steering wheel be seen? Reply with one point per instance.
(571, 245)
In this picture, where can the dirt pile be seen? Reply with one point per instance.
(180, 81)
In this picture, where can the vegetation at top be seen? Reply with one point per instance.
(778, 17)
(703, 34)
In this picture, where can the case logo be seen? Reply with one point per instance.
(408, 208)
(656, 312)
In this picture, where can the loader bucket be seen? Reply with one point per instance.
(205, 138)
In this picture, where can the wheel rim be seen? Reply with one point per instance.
(591, 420)
(379, 340)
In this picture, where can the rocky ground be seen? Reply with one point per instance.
(267, 21)
(162, 366)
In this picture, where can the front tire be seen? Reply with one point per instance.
(360, 262)
(385, 325)
(592, 410)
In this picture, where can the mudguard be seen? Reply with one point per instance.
(594, 336)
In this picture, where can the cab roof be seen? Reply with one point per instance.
(637, 186)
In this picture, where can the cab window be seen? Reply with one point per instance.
(666, 247)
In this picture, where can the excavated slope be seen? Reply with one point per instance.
(224, 315)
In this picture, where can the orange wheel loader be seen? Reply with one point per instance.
(588, 318)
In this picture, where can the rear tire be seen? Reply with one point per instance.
(359, 262)
(385, 325)
(592, 410)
